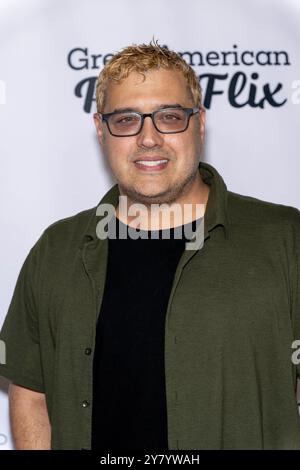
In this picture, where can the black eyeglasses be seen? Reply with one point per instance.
(165, 120)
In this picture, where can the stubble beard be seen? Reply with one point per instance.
(168, 196)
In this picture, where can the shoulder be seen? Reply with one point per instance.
(73, 225)
(247, 209)
(65, 235)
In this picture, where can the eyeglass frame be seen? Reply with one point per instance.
(190, 112)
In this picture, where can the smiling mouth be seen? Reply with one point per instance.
(154, 164)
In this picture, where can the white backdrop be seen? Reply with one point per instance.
(50, 163)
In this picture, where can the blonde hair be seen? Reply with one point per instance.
(141, 58)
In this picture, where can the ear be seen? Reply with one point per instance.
(202, 112)
(99, 127)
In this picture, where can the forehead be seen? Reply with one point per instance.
(158, 87)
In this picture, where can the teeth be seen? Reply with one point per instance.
(151, 162)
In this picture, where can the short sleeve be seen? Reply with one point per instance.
(20, 332)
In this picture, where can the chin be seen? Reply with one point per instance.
(155, 198)
(150, 194)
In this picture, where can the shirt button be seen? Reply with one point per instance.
(87, 351)
(85, 404)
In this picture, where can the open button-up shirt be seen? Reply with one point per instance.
(232, 320)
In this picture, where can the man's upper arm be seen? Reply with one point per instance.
(20, 331)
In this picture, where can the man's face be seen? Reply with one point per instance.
(160, 183)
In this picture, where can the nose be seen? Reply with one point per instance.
(149, 137)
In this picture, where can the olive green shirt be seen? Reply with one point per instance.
(232, 317)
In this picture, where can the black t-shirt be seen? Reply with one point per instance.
(129, 402)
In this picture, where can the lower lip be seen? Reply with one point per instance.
(158, 167)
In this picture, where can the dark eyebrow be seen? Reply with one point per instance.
(162, 106)
(123, 110)
(176, 105)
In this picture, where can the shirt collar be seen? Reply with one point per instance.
(216, 208)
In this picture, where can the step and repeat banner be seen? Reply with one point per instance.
(246, 54)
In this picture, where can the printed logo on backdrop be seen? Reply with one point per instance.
(238, 75)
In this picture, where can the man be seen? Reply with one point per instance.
(141, 343)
